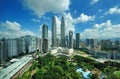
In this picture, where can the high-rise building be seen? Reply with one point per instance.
(18, 46)
(77, 40)
(23, 48)
(45, 31)
(45, 45)
(106, 43)
(88, 42)
(92, 43)
(70, 39)
(58, 42)
(117, 45)
(39, 44)
(1, 51)
(12, 47)
(45, 38)
(67, 41)
(5, 54)
(74, 43)
(31, 43)
(21, 45)
(63, 32)
(54, 33)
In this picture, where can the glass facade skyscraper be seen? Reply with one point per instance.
(54, 34)
(45, 38)
(45, 31)
(70, 39)
(63, 32)
(77, 40)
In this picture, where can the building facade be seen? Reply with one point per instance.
(45, 31)
(54, 33)
(31, 43)
(91, 43)
(5, 54)
(63, 32)
(45, 38)
(1, 51)
(67, 41)
(77, 40)
(12, 47)
(39, 44)
(23, 47)
(70, 39)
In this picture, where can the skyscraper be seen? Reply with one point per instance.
(77, 40)
(45, 38)
(54, 34)
(45, 31)
(70, 39)
(63, 32)
(67, 41)
(92, 43)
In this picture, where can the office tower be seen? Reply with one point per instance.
(1, 51)
(45, 45)
(70, 39)
(93, 43)
(12, 47)
(106, 43)
(67, 41)
(31, 44)
(88, 42)
(45, 31)
(54, 33)
(77, 40)
(63, 32)
(45, 38)
(74, 43)
(39, 44)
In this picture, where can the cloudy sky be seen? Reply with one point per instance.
(91, 18)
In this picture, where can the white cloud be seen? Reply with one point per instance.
(11, 25)
(93, 2)
(70, 22)
(113, 10)
(103, 30)
(75, 11)
(58, 21)
(84, 18)
(40, 7)
(100, 10)
(36, 20)
(13, 30)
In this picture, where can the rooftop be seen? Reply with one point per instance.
(8, 72)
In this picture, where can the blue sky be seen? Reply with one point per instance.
(90, 18)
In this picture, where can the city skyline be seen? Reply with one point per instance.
(92, 19)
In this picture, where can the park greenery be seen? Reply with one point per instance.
(59, 67)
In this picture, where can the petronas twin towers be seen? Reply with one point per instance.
(54, 32)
